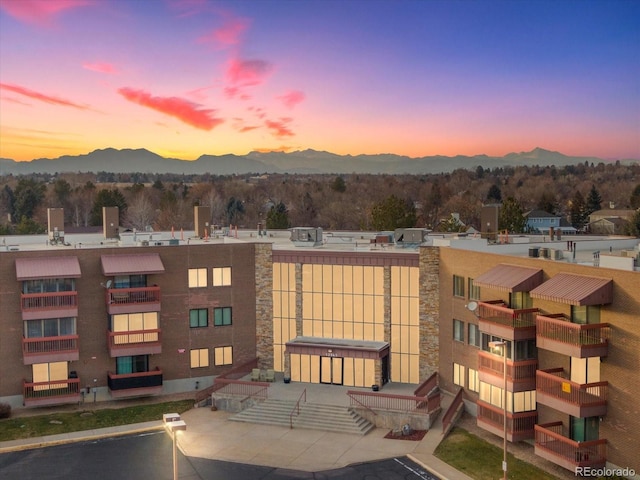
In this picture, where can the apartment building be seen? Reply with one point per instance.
(130, 314)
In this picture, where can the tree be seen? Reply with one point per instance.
(511, 216)
(140, 213)
(28, 195)
(278, 217)
(634, 201)
(494, 195)
(7, 204)
(547, 202)
(578, 211)
(594, 201)
(633, 228)
(62, 190)
(107, 198)
(393, 213)
(28, 226)
(234, 209)
(338, 185)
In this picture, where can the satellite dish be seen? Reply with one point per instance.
(473, 306)
(108, 284)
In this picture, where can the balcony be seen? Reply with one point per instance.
(134, 342)
(496, 318)
(521, 375)
(133, 300)
(552, 445)
(520, 426)
(50, 349)
(558, 334)
(57, 392)
(555, 390)
(135, 384)
(49, 305)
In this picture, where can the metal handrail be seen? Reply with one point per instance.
(296, 408)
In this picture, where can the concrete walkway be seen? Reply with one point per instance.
(211, 435)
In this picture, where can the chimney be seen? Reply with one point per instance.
(110, 222)
(55, 222)
(201, 220)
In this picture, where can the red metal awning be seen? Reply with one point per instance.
(133, 264)
(47, 267)
(576, 290)
(510, 278)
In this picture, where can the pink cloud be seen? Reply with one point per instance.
(39, 12)
(292, 98)
(100, 67)
(247, 73)
(279, 128)
(184, 110)
(230, 33)
(40, 96)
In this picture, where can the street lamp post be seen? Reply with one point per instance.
(173, 424)
(503, 345)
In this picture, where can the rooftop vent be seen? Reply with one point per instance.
(306, 236)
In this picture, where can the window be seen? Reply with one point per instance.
(223, 356)
(474, 335)
(221, 276)
(458, 374)
(48, 285)
(458, 330)
(133, 364)
(520, 300)
(198, 317)
(222, 316)
(197, 277)
(474, 380)
(50, 327)
(49, 372)
(129, 281)
(199, 357)
(458, 286)
(474, 292)
(585, 314)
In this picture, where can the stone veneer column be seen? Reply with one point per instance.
(386, 283)
(264, 305)
(429, 310)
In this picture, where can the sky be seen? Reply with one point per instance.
(184, 78)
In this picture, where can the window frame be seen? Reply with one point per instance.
(199, 319)
(458, 286)
(458, 330)
(223, 351)
(202, 354)
(195, 277)
(223, 310)
(221, 276)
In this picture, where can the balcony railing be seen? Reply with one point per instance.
(134, 342)
(59, 304)
(120, 300)
(50, 349)
(552, 445)
(496, 318)
(558, 334)
(519, 425)
(55, 392)
(391, 402)
(555, 390)
(521, 375)
(135, 384)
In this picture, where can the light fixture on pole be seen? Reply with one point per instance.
(503, 345)
(173, 424)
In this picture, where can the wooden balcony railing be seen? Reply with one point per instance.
(49, 301)
(134, 337)
(518, 371)
(51, 393)
(498, 312)
(139, 295)
(133, 384)
(399, 403)
(557, 333)
(427, 386)
(555, 390)
(236, 373)
(551, 444)
(519, 425)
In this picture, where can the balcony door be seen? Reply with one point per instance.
(585, 429)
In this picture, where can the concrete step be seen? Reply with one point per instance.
(312, 416)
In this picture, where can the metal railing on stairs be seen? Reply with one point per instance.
(296, 408)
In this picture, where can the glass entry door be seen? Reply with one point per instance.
(331, 370)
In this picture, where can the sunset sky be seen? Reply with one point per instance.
(184, 78)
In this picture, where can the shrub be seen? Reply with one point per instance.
(5, 410)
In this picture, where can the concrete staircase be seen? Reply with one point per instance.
(329, 418)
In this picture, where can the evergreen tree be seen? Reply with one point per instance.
(338, 185)
(547, 202)
(494, 195)
(28, 196)
(594, 201)
(393, 213)
(511, 216)
(278, 217)
(108, 198)
(578, 211)
(634, 201)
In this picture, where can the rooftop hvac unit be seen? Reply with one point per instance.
(544, 252)
(556, 254)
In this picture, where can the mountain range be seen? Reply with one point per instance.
(298, 162)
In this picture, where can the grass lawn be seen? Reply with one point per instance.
(36, 426)
(483, 461)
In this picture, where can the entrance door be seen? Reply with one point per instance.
(331, 370)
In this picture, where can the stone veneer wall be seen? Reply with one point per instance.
(264, 305)
(429, 310)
